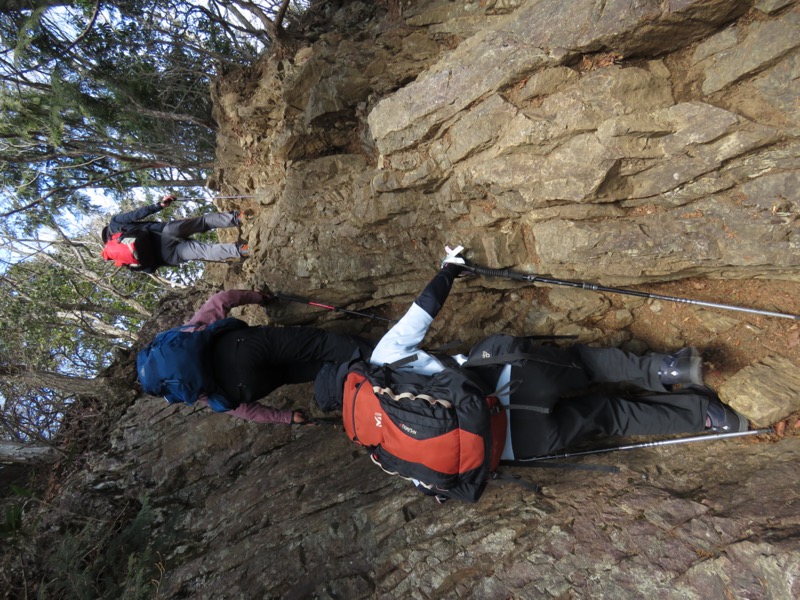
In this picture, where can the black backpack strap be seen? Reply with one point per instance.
(511, 387)
(387, 368)
(401, 362)
(539, 409)
(447, 361)
(505, 478)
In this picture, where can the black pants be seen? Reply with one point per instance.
(250, 363)
(557, 379)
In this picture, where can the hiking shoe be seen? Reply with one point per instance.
(720, 417)
(244, 250)
(684, 366)
(239, 217)
(723, 418)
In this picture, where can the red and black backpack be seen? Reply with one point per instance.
(443, 430)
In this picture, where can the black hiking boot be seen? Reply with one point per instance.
(684, 366)
(720, 417)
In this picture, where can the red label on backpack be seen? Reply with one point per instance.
(122, 250)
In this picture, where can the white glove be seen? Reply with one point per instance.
(453, 257)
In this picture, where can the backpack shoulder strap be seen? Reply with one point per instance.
(401, 362)
(539, 409)
(387, 369)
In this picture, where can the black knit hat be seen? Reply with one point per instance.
(104, 234)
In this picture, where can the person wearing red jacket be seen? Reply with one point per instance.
(160, 244)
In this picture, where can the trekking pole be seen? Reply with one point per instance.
(299, 300)
(214, 198)
(695, 438)
(533, 278)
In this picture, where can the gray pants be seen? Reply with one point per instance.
(176, 247)
(558, 379)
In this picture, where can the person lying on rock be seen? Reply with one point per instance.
(222, 362)
(141, 245)
(436, 420)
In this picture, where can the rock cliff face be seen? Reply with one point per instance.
(651, 144)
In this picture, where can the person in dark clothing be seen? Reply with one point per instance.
(554, 381)
(557, 380)
(251, 362)
(161, 244)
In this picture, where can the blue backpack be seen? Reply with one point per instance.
(174, 365)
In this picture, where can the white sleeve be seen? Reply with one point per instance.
(404, 339)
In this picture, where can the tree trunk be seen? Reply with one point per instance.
(27, 454)
(98, 387)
